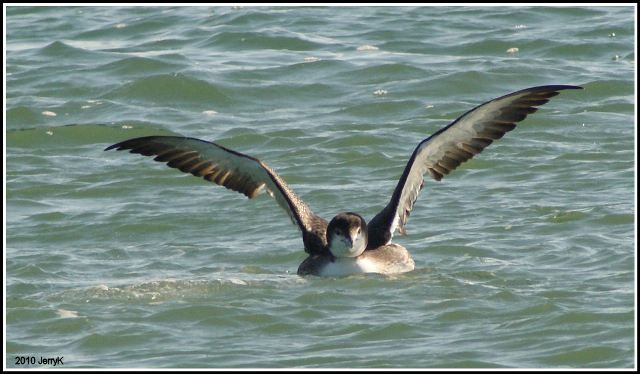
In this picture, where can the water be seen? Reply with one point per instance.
(525, 255)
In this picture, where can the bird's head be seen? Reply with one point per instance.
(347, 235)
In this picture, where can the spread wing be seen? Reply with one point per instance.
(235, 171)
(452, 145)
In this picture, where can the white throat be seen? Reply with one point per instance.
(353, 246)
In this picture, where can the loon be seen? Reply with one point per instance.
(348, 244)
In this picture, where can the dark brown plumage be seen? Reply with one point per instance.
(442, 152)
(437, 155)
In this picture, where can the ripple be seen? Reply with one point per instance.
(235, 41)
(138, 65)
(169, 89)
(524, 255)
(59, 49)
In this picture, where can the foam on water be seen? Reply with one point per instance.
(525, 255)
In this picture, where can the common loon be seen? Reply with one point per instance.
(347, 244)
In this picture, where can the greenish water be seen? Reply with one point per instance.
(525, 256)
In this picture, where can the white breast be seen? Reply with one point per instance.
(343, 266)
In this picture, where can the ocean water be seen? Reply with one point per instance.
(525, 255)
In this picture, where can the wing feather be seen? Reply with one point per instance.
(452, 145)
(235, 171)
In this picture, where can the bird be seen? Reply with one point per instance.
(347, 244)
